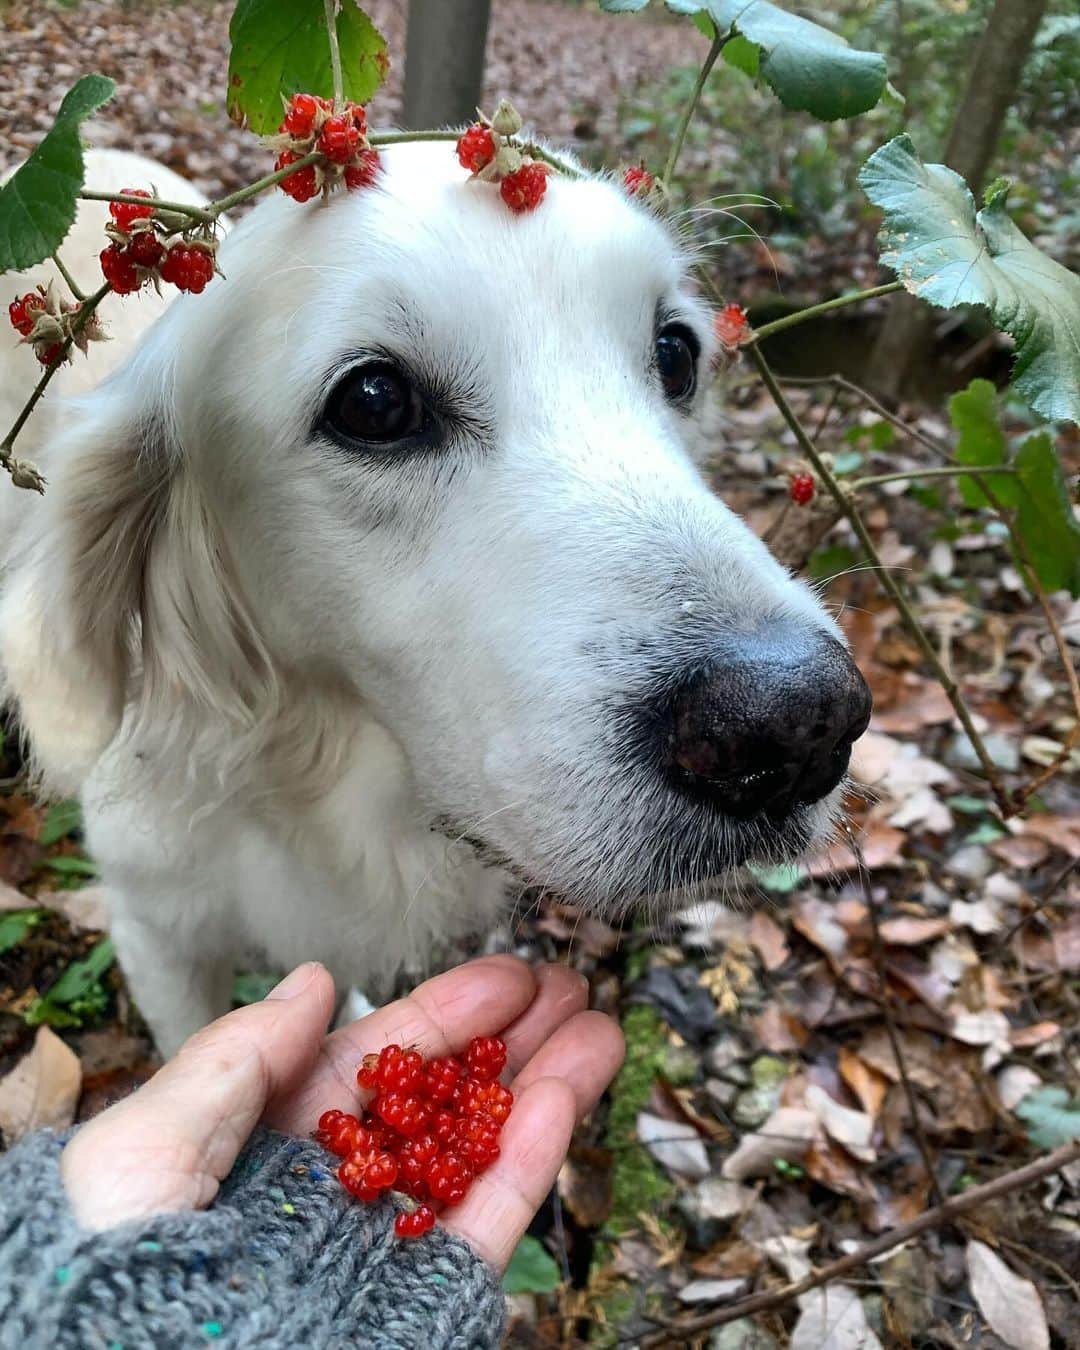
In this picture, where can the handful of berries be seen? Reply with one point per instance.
(432, 1127)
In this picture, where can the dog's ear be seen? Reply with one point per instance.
(124, 611)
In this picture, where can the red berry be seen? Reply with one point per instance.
(441, 1078)
(485, 1058)
(23, 312)
(417, 1223)
(731, 326)
(119, 270)
(638, 181)
(442, 1124)
(476, 148)
(801, 488)
(300, 115)
(358, 115)
(343, 1134)
(188, 267)
(448, 1178)
(523, 189)
(404, 1112)
(47, 355)
(402, 1073)
(125, 212)
(364, 171)
(476, 1139)
(492, 1098)
(302, 185)
(145, 249)
(339, 139)
(413, 1157)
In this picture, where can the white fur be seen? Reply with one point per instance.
(270, 668)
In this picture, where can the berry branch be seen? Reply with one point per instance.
(680, 1333)
(72, 284)
(715, 49)
(812, 311)
(330, 10)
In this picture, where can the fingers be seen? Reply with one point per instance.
(167, 1146)
(562, 1082)
(439, 1017)
(560, 993)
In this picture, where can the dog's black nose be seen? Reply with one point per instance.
(769, 725)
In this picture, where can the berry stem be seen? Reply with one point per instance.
(72, 284)
(81, 319)
(717, 47)
(214, 209)
(812, 311)
(203, 214)
(938, 471)
(330, 7)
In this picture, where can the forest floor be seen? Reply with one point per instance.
(763, 1124)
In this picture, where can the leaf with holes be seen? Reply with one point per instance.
(37, 203)
(948, 254)
(280, 47)
(807, 67)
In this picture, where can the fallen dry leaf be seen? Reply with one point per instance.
(915, 704)
(767, 938)
(910, 930)
(868, 1084)
(832, 1318)
(42, 1089)
(1010, 1304)
(10, 898)
(881, 845)
(779, 1031)
(853, 1129)
(674, 1144)
(1063, 832)
(1014, 1083)
(1022, 851)
(785, 1135)
(86, 908)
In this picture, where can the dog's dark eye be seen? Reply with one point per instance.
(376, 403)
(676, 360)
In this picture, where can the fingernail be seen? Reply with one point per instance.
(296, 982)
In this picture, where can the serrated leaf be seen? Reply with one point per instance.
(60, 820)
(949, 254)
(807, 67)
(280, 47)
(1052, 1119)
(531, 1270)
(38, 202)
(980, 441)
(1044, 516)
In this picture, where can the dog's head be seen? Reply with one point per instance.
(433, 456)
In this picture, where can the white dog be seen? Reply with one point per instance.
(380, 574)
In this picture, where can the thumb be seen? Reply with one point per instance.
(168, 1146)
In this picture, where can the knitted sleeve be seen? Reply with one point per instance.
(283, 1258)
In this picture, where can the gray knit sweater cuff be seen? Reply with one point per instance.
(283, 1258)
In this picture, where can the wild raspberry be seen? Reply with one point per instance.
(188, 268)
(476, 1139)
(48, 355)
(485, 1058)
(417, 1223)
(119, 270)
(448, 1178)
(414, 1156)
(404, 1112)
(638, 181)
(441, 1078)
(124, 213)
(801, 488)
(476, 148)
(442, 1124)
(731, 326)
(364, 171)
(300, 115)
(145, 249)
(392, 1068)
(523, 189)
(23, 312)
(472, 1097)
(302, 185)
(342, 1133)
(339, 139)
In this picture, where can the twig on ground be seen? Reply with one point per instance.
(676, 1333)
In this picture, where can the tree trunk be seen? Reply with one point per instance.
(991, 88)
(444, 61)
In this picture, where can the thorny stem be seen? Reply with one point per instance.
(200, 213)
(691, 105)
(330, 9)
(679, 1333)
(838, 302)
(72, 284)
(938, 471)
(907, 616)
(215, 209)
(886, 1005)
(81, 319)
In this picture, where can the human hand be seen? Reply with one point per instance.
(167, 1147)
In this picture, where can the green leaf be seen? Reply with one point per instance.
(37, 204)
(80, 975)
(280, 47)
(830, 562)
(1052, 1119)
(949, 254)
(15, 925)
(60, 820)
(531, 1270)
(980, 441)
(252, 987)
(1044, 517)
(71, 865)
(781, 877)
(77, 993)
(806, 66)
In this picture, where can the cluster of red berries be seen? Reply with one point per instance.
(432, 1127)
(45, 322)
(311, 126)
(801, 488)
(138, 254)
(638, 181)
(731, 327)
(488, 151)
